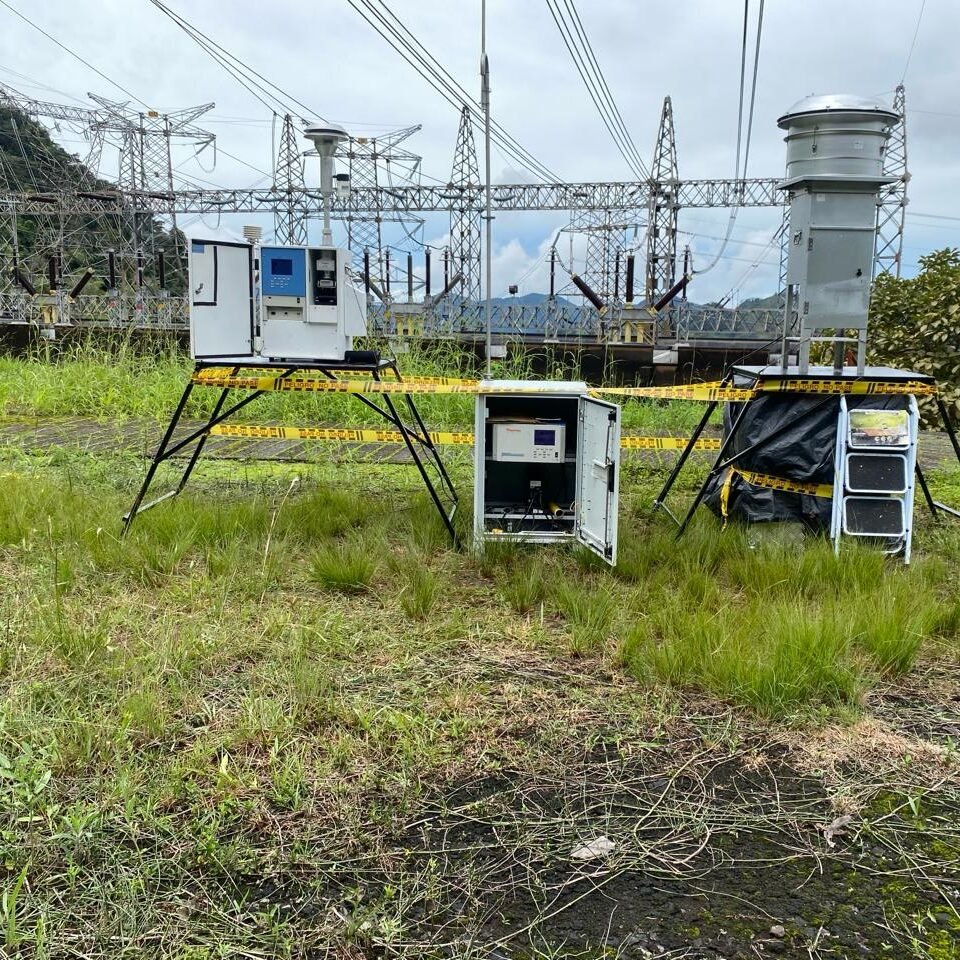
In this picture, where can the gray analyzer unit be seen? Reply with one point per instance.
(547, 464)
(270, 303)
(835, 154)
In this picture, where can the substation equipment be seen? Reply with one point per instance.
(831, 446)
(546, 465)
(284, 318)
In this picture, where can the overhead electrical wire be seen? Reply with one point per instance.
(581, 52)
(378, 15)
(913, 42)
(76, 56)
(270, 94)
(746, 147)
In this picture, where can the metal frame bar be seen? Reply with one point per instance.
(167, 449)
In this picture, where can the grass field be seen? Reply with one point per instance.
(285, 718)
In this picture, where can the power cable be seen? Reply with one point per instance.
(405, 36)
(743, 72)
(913, 42)
(76, 56)
(585, 63)
(236, 67)
(403, 41)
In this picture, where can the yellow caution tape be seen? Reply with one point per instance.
(667, 443)
(848, 387)
(441, 438)
(709, 392)
(343, 434)
(780, 483)
(213, 377)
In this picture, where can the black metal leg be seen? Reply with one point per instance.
(922, 480)
(948, 426)
(159, 456)
(201, 441)
(426, 440)
(684, 456)
(714, 470)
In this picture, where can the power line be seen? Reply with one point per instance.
(403, 41)
(240, 71)
(584, 60)
(753, 91)
(913, 42)
(76, 56)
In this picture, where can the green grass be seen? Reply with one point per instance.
(239, 704)
(122, 379)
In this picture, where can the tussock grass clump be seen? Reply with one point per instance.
(420, 588)
(589, 610)
(346, 567)
(523, 585)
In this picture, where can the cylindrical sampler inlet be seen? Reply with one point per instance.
(838, 136)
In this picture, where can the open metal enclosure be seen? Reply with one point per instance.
(547, 464)
(222, 323)
(276, 304)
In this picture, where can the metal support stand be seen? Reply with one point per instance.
(416, 437)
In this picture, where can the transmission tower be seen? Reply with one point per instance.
(663, 206)
(146, 167)
(892, 206)
(369, 160)
(464, 189)
(605, 232)
(289, 218)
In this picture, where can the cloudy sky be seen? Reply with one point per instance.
(326, 56)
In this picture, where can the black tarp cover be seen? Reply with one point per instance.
(803, 452)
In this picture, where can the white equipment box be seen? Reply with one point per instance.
(531, 442)
(547, 463)
(273, 303)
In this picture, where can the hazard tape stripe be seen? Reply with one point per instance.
(441, 438)
(212, 376)
(848, 387)
(709, 392)
(786, 486)
(345, 434)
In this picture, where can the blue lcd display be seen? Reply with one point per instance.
(284, 272)
(544, 438)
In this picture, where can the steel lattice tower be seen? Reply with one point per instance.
(146, 167)
(892, 206)
(366, 159)
(465, 212)
(290, 219)
(662, 209)
(605, 232)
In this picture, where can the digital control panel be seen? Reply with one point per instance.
(529, 442)
(283, 272)
(323, 268)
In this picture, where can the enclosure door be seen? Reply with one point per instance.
(221, 300)
(598, 477)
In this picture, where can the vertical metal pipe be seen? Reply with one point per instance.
(52, 272)
(139, 270)
(488, 240)
(446, 266)
(628, 282)
(366, 270)
(386, 272)
(161, 271)
(426, 272)
(409, 278)
(616, 277)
